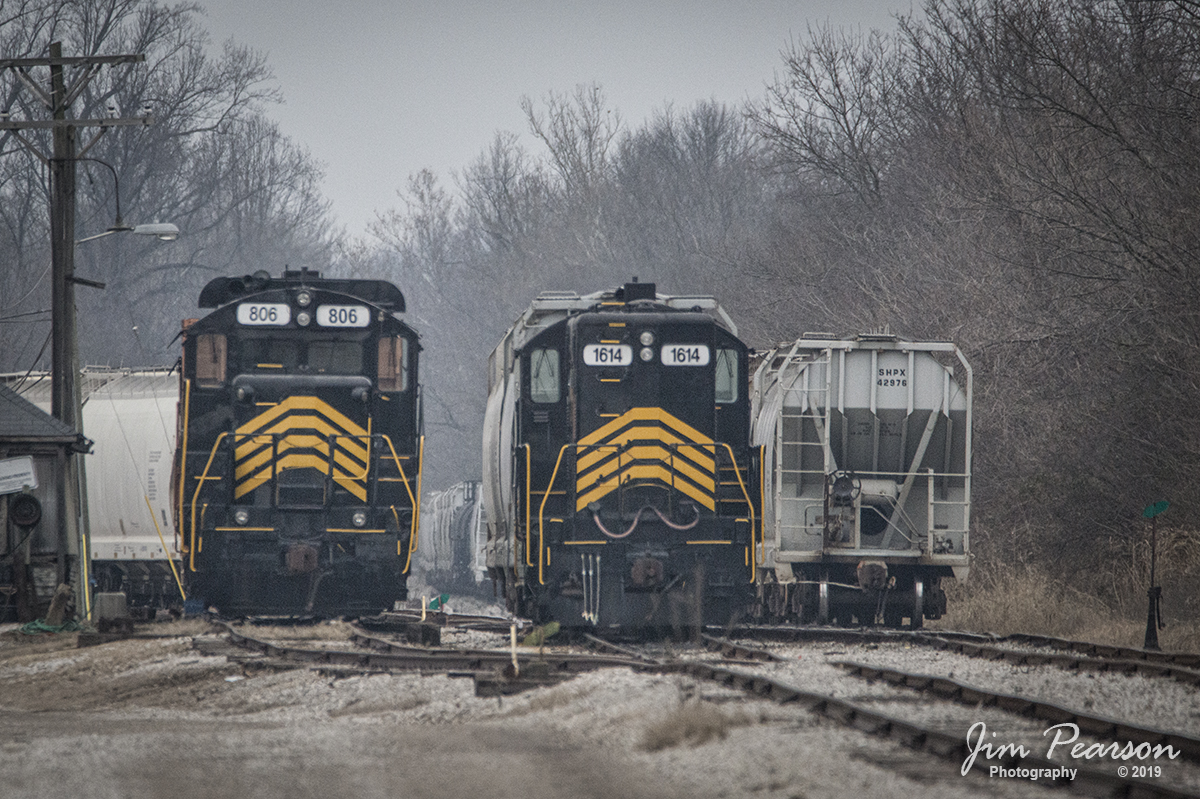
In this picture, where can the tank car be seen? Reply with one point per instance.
(618, 477)
(298, 470)
(866, 451)
(453, 540)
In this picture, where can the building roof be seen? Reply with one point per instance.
(22, 420)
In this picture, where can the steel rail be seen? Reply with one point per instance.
(398, 657)
(962, 693)
(735, 651)
(924, 739)
(1184, 659)
(1086, 657)
(466, 621)
(1096, 659)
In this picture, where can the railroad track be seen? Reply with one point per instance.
(762, 673)
(1018, 649)
(870, 715)
(1097, 726)
(1073, 655)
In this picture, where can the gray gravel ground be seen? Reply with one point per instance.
(154, 718)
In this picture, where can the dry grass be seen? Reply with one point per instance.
(324, 631)
(692, 723)
(1108, 608)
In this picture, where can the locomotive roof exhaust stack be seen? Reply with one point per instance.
(637, 291)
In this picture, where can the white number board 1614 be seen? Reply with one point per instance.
(343, 315)
(264, 313)
(685, 355)
(608, 355)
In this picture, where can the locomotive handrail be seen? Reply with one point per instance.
(187, 396)
(416, 505)
(416, 521)
(762, 502)
(542, 511)
(753, 551)
(329, 441)
(196, 497)
(528, 501)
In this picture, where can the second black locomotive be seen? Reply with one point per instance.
(619, 481)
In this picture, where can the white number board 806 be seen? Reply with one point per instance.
(343, 316)
(685, 355)
(608, 355)
(264, 313)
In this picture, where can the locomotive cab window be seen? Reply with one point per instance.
(262, 354)
(393, 364)
(726, 378)
(543, 376)
(210, 360)
(335, 357)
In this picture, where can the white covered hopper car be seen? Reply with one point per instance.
(866, 491)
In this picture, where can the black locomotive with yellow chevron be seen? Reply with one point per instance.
(298, 463)
(620, 486)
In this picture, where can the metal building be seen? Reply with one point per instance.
(39, 546)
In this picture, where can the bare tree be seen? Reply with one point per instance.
(244, 196)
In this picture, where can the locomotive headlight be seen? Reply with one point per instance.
(647, 338)
(241, 516)
(303, 299)
(303, 318)
(647, 354)
(359, 518)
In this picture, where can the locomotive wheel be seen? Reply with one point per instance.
(823, 602)
(917, 620)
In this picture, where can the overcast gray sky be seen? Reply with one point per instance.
(378, 90)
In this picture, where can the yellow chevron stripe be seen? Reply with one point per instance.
(703, 455)
(646, 453)
(297, 460)
(642, 472)
(688, 432)
(345, 482)
(305, 404)
(348, 441)
(351, 467)
(683, 457)
(253, 455)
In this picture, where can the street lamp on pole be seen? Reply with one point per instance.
(164, 231)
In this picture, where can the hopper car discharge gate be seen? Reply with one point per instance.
(866, 492)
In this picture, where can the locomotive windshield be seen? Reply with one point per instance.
(726, 380)
(543, 376)
(287, 356)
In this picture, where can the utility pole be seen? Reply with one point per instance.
(65, 400)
